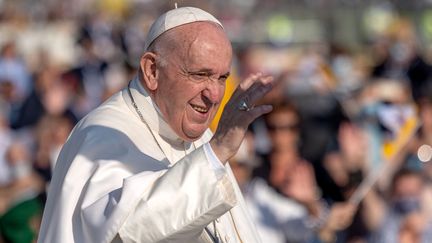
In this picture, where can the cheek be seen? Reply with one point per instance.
(176, 95)
(221, 92)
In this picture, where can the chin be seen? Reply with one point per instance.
(192, 131)
(194, 135)
(192, 138)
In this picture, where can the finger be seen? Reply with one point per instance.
(258, 92)
(249, 81)
(254, 81)
(250, 84)
(266, 79)
(245, 85)
(249, 97)
(259, 111)
(258, 83)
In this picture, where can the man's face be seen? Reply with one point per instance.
(284, 128)
(191, 83)
(408, 186)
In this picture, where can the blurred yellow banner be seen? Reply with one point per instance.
(231, 84)
(407, 130)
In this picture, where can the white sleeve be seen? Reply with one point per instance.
(172, 205)
(215, 163)
(180, 202)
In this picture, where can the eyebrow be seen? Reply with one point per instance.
(208, 70)
(226, 75)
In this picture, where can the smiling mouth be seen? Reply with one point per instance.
(200, 109)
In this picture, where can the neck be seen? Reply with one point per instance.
(151, 112)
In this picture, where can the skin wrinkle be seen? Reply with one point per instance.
(174, 40)
(205, 47)
(190, 56)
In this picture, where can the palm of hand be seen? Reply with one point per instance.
(301, 184)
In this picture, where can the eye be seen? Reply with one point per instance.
(223, 78)
(199, 76)
(202, 74)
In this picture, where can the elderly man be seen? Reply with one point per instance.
(143, 167)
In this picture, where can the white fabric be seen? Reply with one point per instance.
(112, 183)
(215, 163)
(278, 219)
(175, 18)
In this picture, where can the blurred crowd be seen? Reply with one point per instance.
(345, 155)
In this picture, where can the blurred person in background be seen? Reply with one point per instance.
(419, 152)
(95, 45)
(282, 128)
(403, 218)
(14, 72)
(286, 205)
(290, 211)
(347, 164)
(115, 77)
(21, 204)
(389, 120)
(374, 143)
(314, 219)
(402, 58)
(51, 94)
(283, 125)
(49, 141)
(312, 90)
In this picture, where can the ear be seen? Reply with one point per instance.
(149, 70)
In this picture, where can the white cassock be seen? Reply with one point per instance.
(112, 183)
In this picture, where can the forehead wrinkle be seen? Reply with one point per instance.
(201, 37)
(191, 37)
(188, 50)
(178, 42)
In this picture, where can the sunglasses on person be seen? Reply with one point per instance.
(276, 127)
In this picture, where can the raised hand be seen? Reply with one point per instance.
(301, 184)
(339, 218)
(353, 146)
(239, 112)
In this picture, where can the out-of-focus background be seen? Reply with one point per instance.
(344, 157)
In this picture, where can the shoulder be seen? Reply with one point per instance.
(112, 112)
(112, 129)
(104, 127)
(110, 120)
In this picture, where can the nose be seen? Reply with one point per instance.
(213, 92)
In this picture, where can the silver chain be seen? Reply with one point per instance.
(142, 118)
(215, 236)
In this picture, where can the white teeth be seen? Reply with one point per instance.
(199, 109)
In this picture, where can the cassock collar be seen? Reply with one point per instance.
(154, 118)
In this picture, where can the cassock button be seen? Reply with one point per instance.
(217, 220)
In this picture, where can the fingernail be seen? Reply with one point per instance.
(268, 108)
